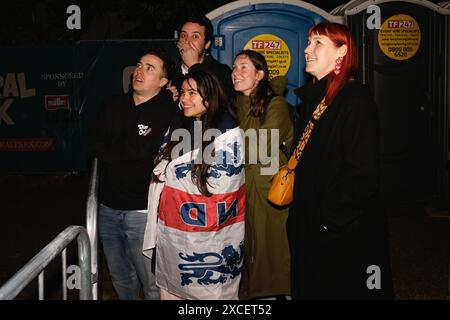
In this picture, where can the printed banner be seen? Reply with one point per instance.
(47, 103)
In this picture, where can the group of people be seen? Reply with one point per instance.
(183, 188)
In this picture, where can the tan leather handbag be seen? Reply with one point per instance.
(281, 191)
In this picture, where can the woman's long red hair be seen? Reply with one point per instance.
(340, 35)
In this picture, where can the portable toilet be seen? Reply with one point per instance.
(277, 29)
(404, 48)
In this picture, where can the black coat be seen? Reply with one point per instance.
(336, 228)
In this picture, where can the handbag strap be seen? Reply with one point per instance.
(320, 109)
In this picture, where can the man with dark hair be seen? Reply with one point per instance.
(125, 137)
(194, 45)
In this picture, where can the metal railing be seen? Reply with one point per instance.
(91, 224)
(35, 267)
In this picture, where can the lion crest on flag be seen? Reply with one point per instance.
(227, 264)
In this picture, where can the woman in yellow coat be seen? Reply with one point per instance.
(261, 105)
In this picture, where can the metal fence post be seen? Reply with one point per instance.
(91, 224)
(40, 261)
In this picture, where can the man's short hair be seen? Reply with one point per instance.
(203, 21)
(164, 56)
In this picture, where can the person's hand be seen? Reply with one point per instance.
(147, 132)
(189, 53)
(173, 89)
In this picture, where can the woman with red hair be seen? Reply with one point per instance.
(337, 231)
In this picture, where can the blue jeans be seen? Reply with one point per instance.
(122, 234)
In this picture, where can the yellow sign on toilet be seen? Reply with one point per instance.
(399, 37)
(275, 50)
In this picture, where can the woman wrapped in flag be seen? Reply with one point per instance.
(197, 198)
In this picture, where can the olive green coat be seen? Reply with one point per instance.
(266, 248)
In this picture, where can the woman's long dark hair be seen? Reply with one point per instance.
(216, 103)
(259, 96)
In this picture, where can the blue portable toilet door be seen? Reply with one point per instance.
(279, 31)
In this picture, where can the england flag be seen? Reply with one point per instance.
(199, 240)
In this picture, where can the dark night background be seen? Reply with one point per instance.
(44, 22)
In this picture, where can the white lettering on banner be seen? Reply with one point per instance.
(74, 20)
(56, 103)
(62, 76)
(53, 102)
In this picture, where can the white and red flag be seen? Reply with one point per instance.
(199, 240)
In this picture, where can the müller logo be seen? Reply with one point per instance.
(56, 102)
(266, 44)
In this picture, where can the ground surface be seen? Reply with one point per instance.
(35, 209)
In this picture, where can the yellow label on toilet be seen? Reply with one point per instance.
(275, 50)
(399, 37)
